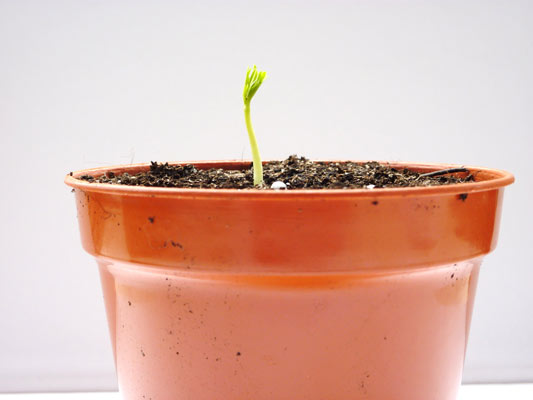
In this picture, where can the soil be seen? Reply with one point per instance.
(295, 173)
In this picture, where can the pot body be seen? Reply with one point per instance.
(306, 295)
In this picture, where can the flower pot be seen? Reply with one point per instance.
(296, 295)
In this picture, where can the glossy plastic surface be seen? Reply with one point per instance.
(354, 294)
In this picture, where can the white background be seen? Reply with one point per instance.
(89, 83)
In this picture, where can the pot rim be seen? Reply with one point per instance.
(490, 179)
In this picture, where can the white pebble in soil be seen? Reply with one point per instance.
(278, 185)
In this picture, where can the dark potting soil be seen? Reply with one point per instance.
(295, 173)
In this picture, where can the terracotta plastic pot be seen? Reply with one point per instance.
(296, 295)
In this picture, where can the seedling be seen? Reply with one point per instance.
(254, 79)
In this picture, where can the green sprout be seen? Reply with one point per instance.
(254, 79)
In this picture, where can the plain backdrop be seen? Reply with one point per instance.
(90, 83)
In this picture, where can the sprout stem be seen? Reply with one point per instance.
(258, 166)
(254, 79)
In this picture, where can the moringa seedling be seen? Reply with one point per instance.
(254, 79)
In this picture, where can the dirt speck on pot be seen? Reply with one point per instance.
(295, 172)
